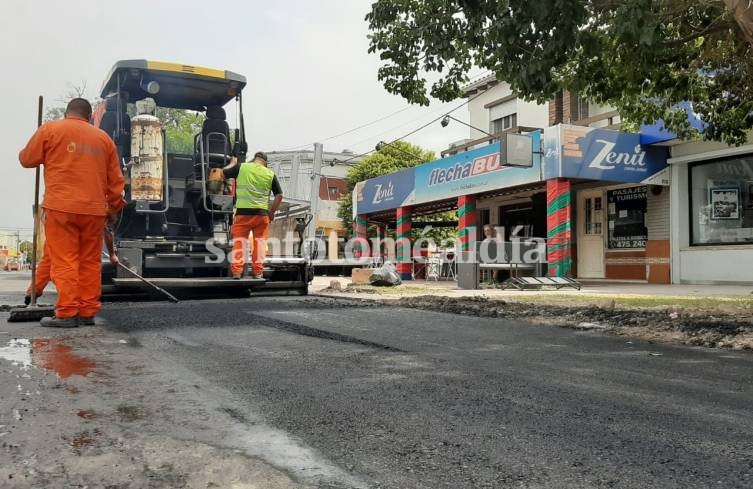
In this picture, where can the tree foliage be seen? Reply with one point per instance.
(389, 159)
(180, 128)
(180, 125)
(642, 57)
(25, 247)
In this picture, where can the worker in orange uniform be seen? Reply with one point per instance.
(83, 190)
(43, 274)
(253, 212)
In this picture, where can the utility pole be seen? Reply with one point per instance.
(316, 178)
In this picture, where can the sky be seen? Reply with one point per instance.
(310, 76)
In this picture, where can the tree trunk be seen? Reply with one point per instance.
(743, 12)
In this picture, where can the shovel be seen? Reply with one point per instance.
(33, 312)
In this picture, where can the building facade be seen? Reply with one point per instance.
(712, 212)
(296, 173)
(599, 197)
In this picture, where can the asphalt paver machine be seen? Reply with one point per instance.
(176, 227)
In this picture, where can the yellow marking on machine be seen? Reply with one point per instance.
(179, 68)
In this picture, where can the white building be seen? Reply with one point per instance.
(295, 172)
(712, 212)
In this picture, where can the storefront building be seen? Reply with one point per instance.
(712, 213)
(598, 197)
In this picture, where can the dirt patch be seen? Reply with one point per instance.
(129, 414)
(671, 325)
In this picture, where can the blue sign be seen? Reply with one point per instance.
(600, 154)
(657, 133)
(386, 192)
(472, 172)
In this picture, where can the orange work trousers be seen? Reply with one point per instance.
(242, 226)
(74, 242)
(42, 274)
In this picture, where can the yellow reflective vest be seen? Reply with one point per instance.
(252, 187)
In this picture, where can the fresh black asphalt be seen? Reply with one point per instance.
(413, 399)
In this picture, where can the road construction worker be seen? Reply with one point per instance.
(83, 190)
(43, 274)
(253, 212)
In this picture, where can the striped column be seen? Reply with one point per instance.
(467, 221)
(559, 228)
(360, 231)
(403, 252)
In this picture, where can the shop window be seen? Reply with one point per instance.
(721, 201)
(504, 123)
(626, 216)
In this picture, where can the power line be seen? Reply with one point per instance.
(357, 143)
(415, 130)
(351, 130)
(422, 127)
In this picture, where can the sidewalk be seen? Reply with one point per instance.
(718, 316)
(590, 289)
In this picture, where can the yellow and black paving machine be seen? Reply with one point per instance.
(175, 229)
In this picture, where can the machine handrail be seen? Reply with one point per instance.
(204, 168)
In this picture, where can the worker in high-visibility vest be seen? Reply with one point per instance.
(253, 211)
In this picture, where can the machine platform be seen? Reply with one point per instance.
(191, 282)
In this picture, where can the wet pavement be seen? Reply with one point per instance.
(347, 394)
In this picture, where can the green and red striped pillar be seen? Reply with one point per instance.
(559, 228)
(467, 221)
(361, 232)
(403, 246)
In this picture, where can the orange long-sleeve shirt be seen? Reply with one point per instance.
(81, 170)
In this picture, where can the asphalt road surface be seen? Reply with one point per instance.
(397, 398)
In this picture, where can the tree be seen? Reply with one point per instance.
(180, 128)
(57, 110)
(389, 159)
(743, 12)
(642, 57)
(25, 247)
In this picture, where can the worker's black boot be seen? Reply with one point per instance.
(86, 321)
(56, 322)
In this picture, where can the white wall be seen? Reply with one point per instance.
(702, 264)
(596, 109)
(479, 116)
(529, 114)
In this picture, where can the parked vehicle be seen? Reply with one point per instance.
(12, 265)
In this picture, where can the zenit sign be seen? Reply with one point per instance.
(385, 192)
(608, 159)
(600, 154)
